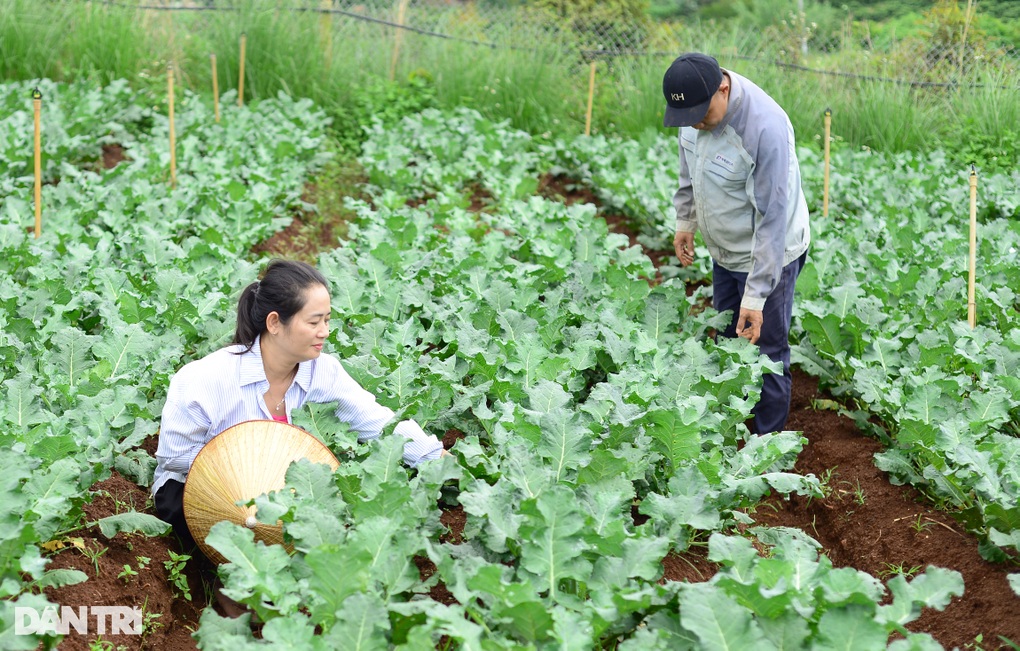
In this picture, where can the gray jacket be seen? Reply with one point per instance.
(740, 184)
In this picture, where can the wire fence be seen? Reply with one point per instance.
(950, 52)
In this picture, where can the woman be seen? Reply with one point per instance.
(274, 365)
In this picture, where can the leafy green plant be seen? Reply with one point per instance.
(898, 569)
(175, 573)
(93, 555)
(150, 620)
(128, 572)
(919, 526)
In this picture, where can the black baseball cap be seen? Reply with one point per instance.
(688, 86)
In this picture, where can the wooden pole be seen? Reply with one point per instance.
(215, 87)
(240, 79)
(37, 106)
(326, 34)
(828, 132)
(173, 137)
(971, 304)
(963, 38)
(401, 11)
(591, 97)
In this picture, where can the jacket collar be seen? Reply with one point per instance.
(735, 103)
(252, 370)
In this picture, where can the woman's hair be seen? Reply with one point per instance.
(281, 290)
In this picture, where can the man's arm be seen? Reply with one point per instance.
(683, 204)
(771, 201)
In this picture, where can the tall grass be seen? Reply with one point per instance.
(530, 79)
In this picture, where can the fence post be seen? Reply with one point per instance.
(173, 139)
(591, 96)
(215, 87)
(828, 131)
(401, 11)
(963, 38)
(240, 81)
(972, 273)
(326, 34)
(37, 109)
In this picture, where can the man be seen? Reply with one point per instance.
(740, 185)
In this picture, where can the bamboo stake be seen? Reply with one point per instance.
(591, 96)
(828, 131)
(971, 304)
(173, 137)
(326, 34)
(215, 87)
(401, 11)
(37, 106)
(963, 38)
(240, 81)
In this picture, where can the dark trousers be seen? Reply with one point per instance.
(728, 290)
(169, 502)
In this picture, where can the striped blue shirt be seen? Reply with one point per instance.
(223, 389)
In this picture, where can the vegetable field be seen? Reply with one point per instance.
(515, 297)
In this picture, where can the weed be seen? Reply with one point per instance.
(898, 569)
(175, 574)
(99, 644)
(127, 573)
(859, 496)
(150, 620)
(825, 484)
(976, 644)
(919, 526)
(93, 555)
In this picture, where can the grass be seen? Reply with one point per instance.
(530, 79)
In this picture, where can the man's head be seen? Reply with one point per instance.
(690, 85)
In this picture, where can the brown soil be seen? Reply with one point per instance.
(112, 156)
(867, 523)
(304, 238)
(168, 620)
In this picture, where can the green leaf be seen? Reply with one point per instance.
(678, 435)
(133, 522)
(21, 406)
(51, 492)
(71, 357)
(551, 524)
(60, 578)
(497, 509)
(688, 504)
(258, 574)
(361, 625)
(850, 628)
(121, 347)
(718, 621)
(337, 573)
(217, 633)
(932, 589)
(789, 631)
(529, 621)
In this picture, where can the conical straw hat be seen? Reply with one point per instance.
(239, 464)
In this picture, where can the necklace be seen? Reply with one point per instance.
(287, 381)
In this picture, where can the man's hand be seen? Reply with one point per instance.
(749, 324)
(683, 244)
